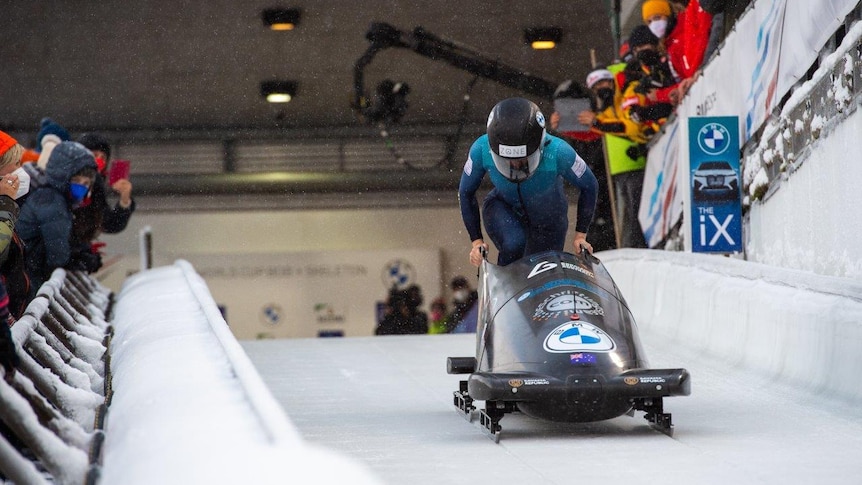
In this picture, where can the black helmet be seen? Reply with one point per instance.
(516, 133)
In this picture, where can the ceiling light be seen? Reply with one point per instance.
(281, 18)
(278, 91)
(543, 37)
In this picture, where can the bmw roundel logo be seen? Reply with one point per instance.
(713, 138)
(578, 336)
(540, 119)
(399, 273)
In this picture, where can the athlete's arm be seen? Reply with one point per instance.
(471, 179)
(575, 170)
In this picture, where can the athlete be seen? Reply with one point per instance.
(526, 212)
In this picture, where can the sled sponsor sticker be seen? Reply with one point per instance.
(630, 380)
(532, 381)
(543, 266)
(578, 336)
(566, 302)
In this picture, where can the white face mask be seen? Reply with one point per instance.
(461, 295)
(658, 28)
(23, 182)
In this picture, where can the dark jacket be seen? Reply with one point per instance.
(98, 216)
(397, 323)
(45, 222)
(13, 277)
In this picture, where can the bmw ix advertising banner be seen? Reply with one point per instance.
(716, 206)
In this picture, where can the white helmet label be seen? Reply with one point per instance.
(513, 151)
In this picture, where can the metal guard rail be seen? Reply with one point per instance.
(53, 407)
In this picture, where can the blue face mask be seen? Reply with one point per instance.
(78, 191)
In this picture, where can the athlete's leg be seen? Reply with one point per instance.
(547, 237)
(504, 228)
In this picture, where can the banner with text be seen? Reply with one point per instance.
(716, 202)
(661, 203)
(312, 294)
(770, 48)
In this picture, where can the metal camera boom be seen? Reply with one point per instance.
(390, 105)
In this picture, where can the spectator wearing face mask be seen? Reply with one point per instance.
(645, 100)
(626, 169)
(607, 117)
(45, 222)
(98, 214)
(658, 17)
(463, 315)
(588, 144)
(13, 283)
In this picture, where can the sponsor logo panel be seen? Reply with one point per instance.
(578, 336)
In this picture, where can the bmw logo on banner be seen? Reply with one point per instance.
(716, 203)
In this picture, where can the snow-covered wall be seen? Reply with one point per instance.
(791, 325)
(813, 222)
(803, 175)
(188, 406)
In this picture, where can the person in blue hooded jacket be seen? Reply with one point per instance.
(526, 212)
(45, 220)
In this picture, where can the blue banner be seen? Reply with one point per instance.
(716, 203)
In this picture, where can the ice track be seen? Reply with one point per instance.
(387, 401)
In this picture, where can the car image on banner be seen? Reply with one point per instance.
(715, 180)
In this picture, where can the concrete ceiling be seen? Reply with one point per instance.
(158, 65)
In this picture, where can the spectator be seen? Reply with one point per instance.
(96, 215)
(607, 117)
(686, 46)
(526, 212)
(463, 315)
(657, 16)
(403, 315)
(13, 285)
(588, 144)
(437, 317)
(626, 170)
(50, 135)
(644, 101)
(45, 224)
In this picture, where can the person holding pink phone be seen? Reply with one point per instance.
(98, 215)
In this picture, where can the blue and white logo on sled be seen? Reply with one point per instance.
(578, 336)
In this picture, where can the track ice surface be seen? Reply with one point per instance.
(387, 401)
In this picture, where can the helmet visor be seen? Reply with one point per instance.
(517, 169)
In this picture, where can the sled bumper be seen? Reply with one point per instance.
(634, 383)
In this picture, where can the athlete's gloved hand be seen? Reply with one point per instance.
(581, 240)
(476, 253)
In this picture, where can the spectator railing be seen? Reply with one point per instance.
(53, 406)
